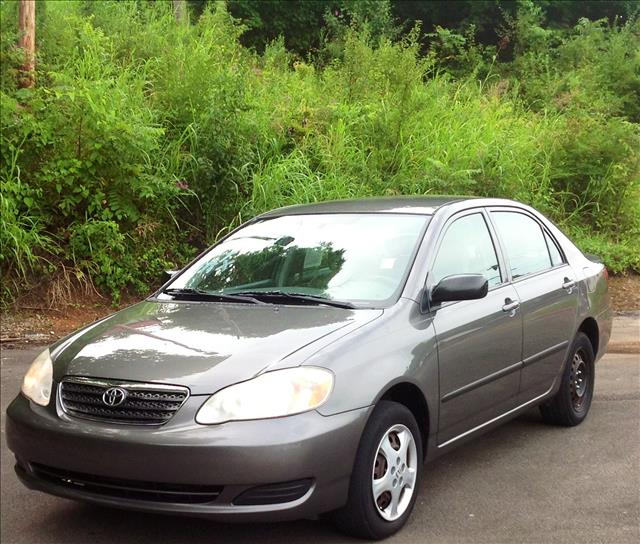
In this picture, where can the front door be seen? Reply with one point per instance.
(479, 341)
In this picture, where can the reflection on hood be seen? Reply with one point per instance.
(204, 346)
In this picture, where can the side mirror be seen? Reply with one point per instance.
(460, 287)
(168, 274)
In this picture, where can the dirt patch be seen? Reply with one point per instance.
(31, 324)
(625, 293)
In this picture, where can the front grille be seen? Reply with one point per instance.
(274, 493)
(128, 489)
(143, 404)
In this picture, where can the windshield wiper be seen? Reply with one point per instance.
(195, 294)
(298, 297)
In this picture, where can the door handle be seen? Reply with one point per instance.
(510, 306)
(568, 284)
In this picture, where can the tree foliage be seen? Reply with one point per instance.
(145, 139)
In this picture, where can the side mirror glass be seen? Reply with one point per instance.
(460, 287)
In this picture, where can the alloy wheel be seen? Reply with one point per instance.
(395, 471)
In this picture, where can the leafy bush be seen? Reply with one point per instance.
(144, 139)
(375, 127)
(22, 240)
(620, 256)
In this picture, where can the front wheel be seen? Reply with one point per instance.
(571, 403)
(386, 474)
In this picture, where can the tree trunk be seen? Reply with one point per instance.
(180, 10)
(27, 42)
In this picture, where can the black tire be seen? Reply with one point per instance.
(570, 405)
(361, 517)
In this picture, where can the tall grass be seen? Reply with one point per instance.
(145, 139)
(384, 121)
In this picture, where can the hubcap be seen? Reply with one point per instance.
(395, 469)
(579, 380)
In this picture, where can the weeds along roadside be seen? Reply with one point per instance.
(144, 140)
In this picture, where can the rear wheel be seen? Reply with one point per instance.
(384, 482)
(571, 403)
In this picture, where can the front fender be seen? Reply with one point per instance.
(399, 347)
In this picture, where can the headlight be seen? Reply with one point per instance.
(273, 394)
(38, 379)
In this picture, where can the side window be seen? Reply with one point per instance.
(556, 257)
(467, 248)
(524, 243)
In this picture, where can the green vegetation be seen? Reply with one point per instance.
(145, 139)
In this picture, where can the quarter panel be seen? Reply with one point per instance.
(595, 301)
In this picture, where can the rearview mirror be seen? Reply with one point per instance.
(460, 287)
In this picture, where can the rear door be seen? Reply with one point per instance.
(479, 341)
(546, 287)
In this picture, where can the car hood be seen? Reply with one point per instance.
(202, 345)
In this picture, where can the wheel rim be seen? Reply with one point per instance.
(395, 470)
(579, 380)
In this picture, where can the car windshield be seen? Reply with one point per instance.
(357, 258)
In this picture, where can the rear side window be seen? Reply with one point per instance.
(467, 248)
(554, 252)
(524, 243)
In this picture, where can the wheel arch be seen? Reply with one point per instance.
(411, 396)
(590, 328)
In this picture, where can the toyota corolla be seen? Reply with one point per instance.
(311, 362)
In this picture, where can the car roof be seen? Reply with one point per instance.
(421, 205)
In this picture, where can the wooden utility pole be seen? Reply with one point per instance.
(180, 10)
(27, 42)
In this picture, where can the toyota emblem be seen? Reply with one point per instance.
(114, 396)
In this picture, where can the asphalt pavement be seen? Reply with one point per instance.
(524, 482)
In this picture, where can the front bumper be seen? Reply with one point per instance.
(236, 456)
